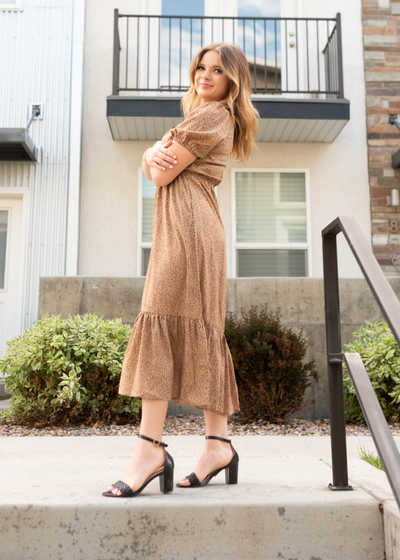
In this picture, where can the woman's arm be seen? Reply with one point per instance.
(184, 157)
(158, 157)
(146, 166)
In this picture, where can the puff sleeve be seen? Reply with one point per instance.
(204, 128)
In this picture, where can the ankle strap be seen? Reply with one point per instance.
(220, 438)
(155, 441)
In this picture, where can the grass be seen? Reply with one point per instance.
(371, 458)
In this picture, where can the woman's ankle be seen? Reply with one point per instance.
(147, 448)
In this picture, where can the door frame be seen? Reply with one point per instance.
(24, 193)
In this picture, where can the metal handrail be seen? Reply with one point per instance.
(142, 69)
(390, 307)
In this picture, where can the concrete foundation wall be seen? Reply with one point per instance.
(301, 301)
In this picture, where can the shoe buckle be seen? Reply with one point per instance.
(158, 443)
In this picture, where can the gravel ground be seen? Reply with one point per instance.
(194, 425)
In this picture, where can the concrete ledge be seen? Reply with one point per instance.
(375, 482)
(301, 301)
(281, 508)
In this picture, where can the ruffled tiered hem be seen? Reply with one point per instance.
(181, 359)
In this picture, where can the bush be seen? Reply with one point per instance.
(267, 357)
(67, 371)
(380, 354)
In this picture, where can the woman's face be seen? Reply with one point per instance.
(210, 82)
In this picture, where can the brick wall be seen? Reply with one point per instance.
(381, 37)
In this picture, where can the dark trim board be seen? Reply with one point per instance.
(396, 160)
(16, 145)
(327, 109)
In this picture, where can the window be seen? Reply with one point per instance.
(147, 192)
(10, 4)
(3, 245)
(261, 39)
(179, 40)
(270, 218)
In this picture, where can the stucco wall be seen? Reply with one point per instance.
(109, 198)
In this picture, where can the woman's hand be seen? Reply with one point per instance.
(160, 157)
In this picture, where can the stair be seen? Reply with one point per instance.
(281, 509)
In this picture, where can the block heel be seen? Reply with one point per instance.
(167, 481)
(231, 470)
(166, 474)
(231, 473)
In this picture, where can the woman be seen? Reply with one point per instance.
(177, 349)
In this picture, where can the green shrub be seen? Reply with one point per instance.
(67, 371)
(380, 354)
(268, 358)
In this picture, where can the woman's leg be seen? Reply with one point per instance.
(216, 453)
(147, 457)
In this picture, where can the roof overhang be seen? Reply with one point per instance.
(282, 120)
(17, 146)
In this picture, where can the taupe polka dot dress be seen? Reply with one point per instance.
(177, 349)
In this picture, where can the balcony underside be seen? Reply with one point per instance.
(282, 120)
(17, 146)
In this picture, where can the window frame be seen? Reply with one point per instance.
(146, 244)
(10, 219)
(16, 7)
(141, 244)
(307, 246)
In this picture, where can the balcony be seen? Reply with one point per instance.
(295, 63)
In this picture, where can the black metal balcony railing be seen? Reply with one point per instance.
(285, 55)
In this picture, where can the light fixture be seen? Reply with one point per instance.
(394, 198)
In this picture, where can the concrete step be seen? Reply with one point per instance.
(282, 508)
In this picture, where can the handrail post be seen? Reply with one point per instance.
(335, 358)
(115, 79)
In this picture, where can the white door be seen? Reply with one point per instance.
(303, 44)
(292, 49)
(11, 255)
(261, 40)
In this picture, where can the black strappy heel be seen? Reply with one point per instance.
(166, 474)
(231, 470)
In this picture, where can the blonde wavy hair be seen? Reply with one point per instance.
(238, 100)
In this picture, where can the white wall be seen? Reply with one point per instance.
(35, 66)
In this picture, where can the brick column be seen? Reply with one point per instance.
(381, 38)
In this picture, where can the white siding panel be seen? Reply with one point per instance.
(316, 131)
(35, 66)
(333, 131)
(307, 129)
(131, 127)
(151, 129)
(288, 134)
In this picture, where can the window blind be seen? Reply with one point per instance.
(148, 195)
(3, 245)
(271, 262)
(270, 207)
